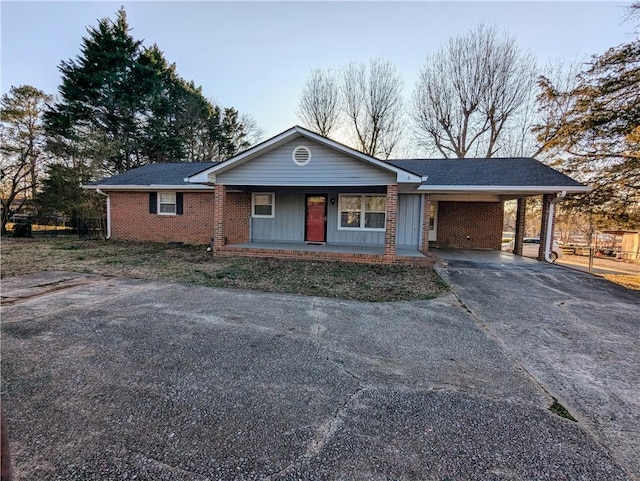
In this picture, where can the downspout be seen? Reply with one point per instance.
(108, 212)
(549, 240)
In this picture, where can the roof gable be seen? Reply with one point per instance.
(209, 175)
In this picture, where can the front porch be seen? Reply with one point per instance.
(325, 252)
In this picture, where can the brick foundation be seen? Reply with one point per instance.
(131, 220)
(230, 251)
(470, 225)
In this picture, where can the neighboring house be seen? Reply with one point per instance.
(300, 195)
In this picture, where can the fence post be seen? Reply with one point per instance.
(590, 260)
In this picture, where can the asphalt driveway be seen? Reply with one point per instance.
(107, 378)
(576, 334)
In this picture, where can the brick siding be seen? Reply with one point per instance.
(131, 220)
(391, 220)
(237, 217)
(426, 210)
(470, 225)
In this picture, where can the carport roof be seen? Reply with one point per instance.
(513, 172)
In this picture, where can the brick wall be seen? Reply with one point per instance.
(237, 217)
(131, 220)
(391, 220)
(426, 210)
(480, 221)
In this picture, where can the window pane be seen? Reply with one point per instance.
(262, 199)
(374, 203)
(350, 206)
(167, 197)
(262, 209)
(167, 208)
(350, 202)
(350, 219)
(374, 220)
(432, 216)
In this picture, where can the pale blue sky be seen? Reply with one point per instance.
(255, 56)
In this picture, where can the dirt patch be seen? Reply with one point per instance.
(193, 265)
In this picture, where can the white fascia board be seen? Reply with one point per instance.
(181, 187)
(402, 176)
(505, 188)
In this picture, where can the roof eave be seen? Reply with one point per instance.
(181, 187)
(574, 189)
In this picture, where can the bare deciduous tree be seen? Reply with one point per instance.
(469, 91)
(22, 145)
(373, 106)
(319, 106)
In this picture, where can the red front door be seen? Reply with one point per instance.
(316, 215)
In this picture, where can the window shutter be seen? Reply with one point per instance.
(153, 202)
(179, 203)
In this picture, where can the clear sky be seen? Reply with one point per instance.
(255, 56)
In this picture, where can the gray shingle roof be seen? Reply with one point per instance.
(157, 174)
(517, 171)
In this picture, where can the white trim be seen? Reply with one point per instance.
(293, 155)
(402, 176)
(152, 188)
(504, 188)
(108, 212)
(175, 203)
(273, 205)
(362, 212)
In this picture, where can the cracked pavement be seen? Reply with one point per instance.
(110, 378)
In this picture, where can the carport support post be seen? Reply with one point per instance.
(521, 214)
(219, 234)
(391, 222)
(546, 204)
(426, 217)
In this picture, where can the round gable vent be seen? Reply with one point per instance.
(301, 155)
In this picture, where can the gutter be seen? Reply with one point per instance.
(548, 241)
(99, 191)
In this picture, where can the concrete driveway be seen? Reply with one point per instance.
(576, 334)
(107, 378)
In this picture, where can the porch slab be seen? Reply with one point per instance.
(327, 248)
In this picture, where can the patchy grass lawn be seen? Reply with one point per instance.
(193, 265)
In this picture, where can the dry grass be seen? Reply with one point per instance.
(193, 265)
(629, 281)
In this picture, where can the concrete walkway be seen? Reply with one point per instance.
(576, 334)
(121, 379)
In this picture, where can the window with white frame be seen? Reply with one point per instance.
(362, 212)
(262, 204)
(167, 203)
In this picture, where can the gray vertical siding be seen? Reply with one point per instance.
(327, 167)
(286, 226)
(409, 220)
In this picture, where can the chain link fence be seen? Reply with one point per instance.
(603, 260)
